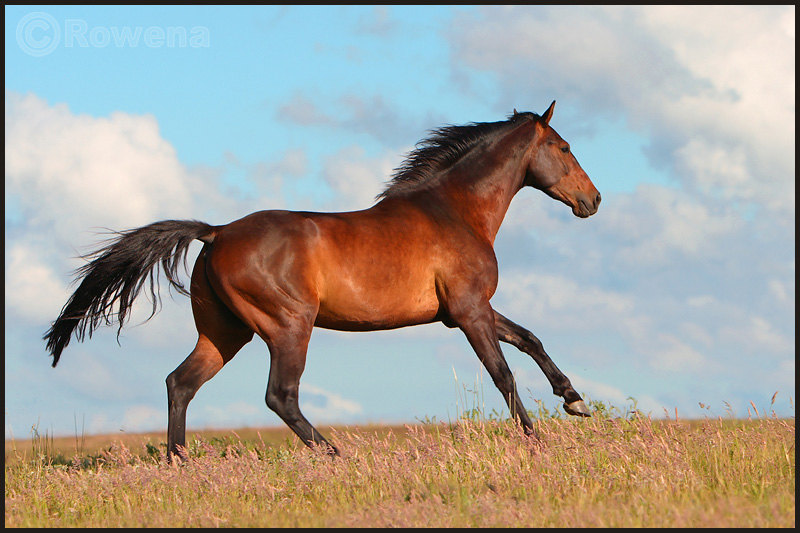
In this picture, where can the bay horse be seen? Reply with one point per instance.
(422, 253)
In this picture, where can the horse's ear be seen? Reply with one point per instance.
(548, 114)
(515, 111)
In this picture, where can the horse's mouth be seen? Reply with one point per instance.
(581, 206)
(582, 210)
(585, 207)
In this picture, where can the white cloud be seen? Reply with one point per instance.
(683, 286)
(141, 418)
(356, 178)
(672, 354)
(172, 328)
(657, 224)
(300, 109)
(700, 301)
(95, 375)
(354, 113)
(614, 396)
(713, 86)
(597, 53)
(781, 291)
(33, 289)
(73, 172)
(561, 303)
(138, 418)
(234, 414)
(378, 22)
(325, 406)
(756, 335)
(75, 176)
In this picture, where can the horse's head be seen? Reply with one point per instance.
(554, 170)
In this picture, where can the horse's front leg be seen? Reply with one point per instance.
(524, 340)
(479, 327)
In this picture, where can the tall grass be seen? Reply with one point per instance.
(617, 469)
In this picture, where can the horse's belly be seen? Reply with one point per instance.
(367, 306)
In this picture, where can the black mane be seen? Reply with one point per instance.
(441, 149)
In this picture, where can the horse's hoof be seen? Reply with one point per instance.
(577, 408)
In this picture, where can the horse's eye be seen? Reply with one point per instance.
(565, 149)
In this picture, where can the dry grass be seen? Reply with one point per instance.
(605, 471)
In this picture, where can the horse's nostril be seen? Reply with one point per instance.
(597, 200)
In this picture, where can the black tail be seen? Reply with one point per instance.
(116, 273)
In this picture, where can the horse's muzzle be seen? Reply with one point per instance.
(586, 206)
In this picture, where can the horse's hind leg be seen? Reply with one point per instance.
(287, 349)
(220, 336)
(524, 340)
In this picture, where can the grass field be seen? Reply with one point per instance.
(606, 471)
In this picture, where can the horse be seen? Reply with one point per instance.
(423, 253)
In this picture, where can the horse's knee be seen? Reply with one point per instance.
(283, 401)
(174, 383)
(178, 391)
(274, 402)
(533, 341)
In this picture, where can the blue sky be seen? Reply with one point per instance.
(680, 291)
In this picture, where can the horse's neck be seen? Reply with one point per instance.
(480, 187)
